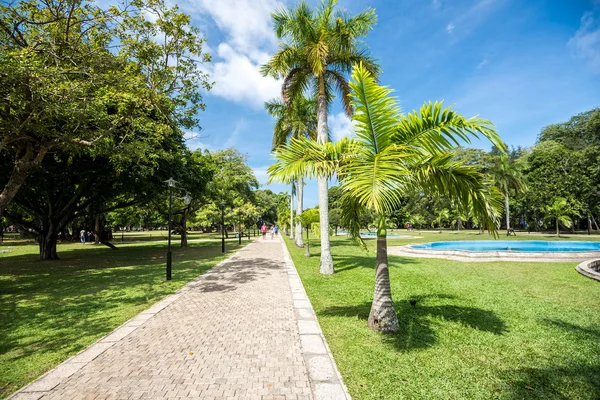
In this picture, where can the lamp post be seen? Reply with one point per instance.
(222, 204)
(171, 183)
(239, 226)
(186, 200)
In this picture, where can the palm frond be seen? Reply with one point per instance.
(303, 157)
(352, 212)
(376, 112)
(462, 184)
(437, 129)
(342, 85)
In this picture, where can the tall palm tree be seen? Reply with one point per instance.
(296, 119)
(391, 155)
(507, 178)
(318, 49)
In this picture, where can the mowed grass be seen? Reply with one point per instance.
(497, 330)
(50, 310)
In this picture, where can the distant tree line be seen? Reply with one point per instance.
(555, 182)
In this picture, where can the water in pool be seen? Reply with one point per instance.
(511, 245)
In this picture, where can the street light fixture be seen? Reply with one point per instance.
(222, 205)
(186, 200)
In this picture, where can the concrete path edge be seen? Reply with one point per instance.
(325, 378)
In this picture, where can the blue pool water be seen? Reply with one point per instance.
(511, 245)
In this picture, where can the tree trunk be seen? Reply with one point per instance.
(25, 160)
(299, 205)
(48, 245)
(507, 213)
(292, 213)
(184, 241)
(382, 317)
(557, 231)
(326, 266)
(98, 229)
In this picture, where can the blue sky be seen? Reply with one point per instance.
(521, 64)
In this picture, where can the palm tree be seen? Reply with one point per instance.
(558, 212)
(318, 49)
(507, 178)
(391, 155)
(293, 120)
(442, 215)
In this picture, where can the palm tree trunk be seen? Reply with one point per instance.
(557, 231)
(322, 137)
(382, 317)
(507, 213)
(299, 194)
(292, 213)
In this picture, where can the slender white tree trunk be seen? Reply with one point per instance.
(292, 213)
(322, 137)
(507, 212)
(299, 194)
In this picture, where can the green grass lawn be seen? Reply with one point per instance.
(500, 330)
(50, 310)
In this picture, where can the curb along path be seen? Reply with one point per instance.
(243, 330)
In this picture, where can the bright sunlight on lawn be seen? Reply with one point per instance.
(497, 330)
(50, 310)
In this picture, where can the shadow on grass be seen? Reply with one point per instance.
(574, 329)
(347, 263)
(553, 383)
(416, 322)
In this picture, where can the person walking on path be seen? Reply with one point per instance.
(276, 230)
(82, 235)
(263, 229)
(272, 231)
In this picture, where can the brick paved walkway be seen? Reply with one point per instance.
(233, 333)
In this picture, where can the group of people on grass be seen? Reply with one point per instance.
(88, 236)
(273, 230)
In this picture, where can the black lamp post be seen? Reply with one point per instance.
(171, 183)
(239, 226)
(186, 199)
(222, 204)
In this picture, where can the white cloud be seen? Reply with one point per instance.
(469, 20)
(586, 42)
(483, 63)
(340, 126)
(248, 42)
(261, 174)
(238, 78)
(233, 138)
(246, 23)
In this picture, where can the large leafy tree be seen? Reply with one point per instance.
(318, 49)
(391, 155)
(73, 74)
(232, 183)
(293, 120)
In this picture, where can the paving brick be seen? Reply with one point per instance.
(231, 333)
